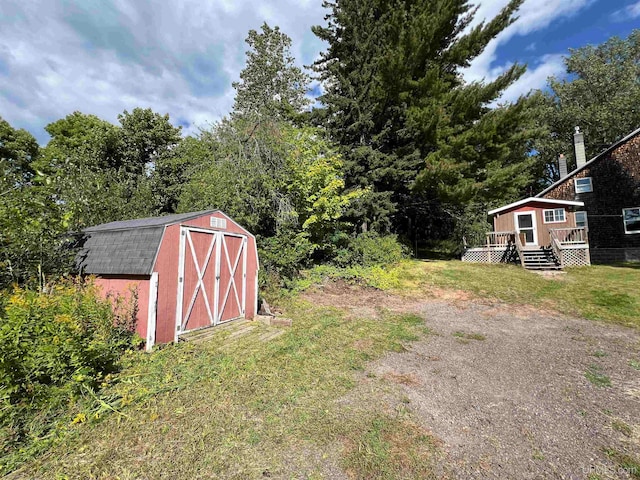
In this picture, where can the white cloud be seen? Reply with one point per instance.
(533, 15)
(627, 13)
(535, 77)
(103, 57)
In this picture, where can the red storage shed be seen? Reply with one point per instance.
(190, 270)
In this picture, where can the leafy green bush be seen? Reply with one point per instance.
(375, 276)
(54, 345)
(283, 255)
(66, 335)
(370, 249)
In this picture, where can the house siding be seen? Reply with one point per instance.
(616, 185)
(505, 221)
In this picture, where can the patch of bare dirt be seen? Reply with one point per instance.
(518, 404)
(551, 274)
(369, 302)
(363, 345)
(402, 378)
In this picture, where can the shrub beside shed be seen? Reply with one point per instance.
(189, 271)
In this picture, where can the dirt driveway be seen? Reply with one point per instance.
(514, 392)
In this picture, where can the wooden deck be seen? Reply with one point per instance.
(569, 248)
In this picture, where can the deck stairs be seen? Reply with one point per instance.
(539, 259)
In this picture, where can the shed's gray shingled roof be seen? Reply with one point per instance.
(128, 247)
(148, 222)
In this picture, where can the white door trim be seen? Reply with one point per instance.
(244, 276)
(180, 292)
(185, 238)
(216, 283)
(232, 273)
(200, 284)
(220, 299)
(152, 311)
(534, 225)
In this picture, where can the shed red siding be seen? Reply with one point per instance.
(167, 267)
(124, 286)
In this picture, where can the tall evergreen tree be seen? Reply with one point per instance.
(270, 85)
(410, 128)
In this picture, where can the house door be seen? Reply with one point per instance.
(212, 268)
(526, 224)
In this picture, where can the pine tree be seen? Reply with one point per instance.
(410, 128)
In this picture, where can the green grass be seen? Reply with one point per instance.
(537, 455)
(629, 463)
(387, 448)
(465, 337)
(596, 377)
(288, 408)
(622, 427)
(607, 293)
(252, 410)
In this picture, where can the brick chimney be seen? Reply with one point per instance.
(562, 166)
(578, 144)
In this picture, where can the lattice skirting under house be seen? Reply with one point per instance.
(576, 257)
(485, 255)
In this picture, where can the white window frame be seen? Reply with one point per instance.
(585, 188)
(624, 222)
(586, 219)
(553, 214)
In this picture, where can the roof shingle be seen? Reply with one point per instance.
(126, 247)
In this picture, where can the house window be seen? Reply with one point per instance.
(556, 215)
(584, 185)
(631, 219)
(581, 219)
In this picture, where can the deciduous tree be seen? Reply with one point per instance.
(271, 85)
(600, 93)
(30, 221)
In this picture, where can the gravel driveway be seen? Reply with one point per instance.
(514, 392)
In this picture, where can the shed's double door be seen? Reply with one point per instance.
(212, 278)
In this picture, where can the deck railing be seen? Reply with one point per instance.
(499, 247)
(569, 236)
(500, 239)
(570, 246)
(519, 248)
(557, 249)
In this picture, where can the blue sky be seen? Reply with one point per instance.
(105, 56)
